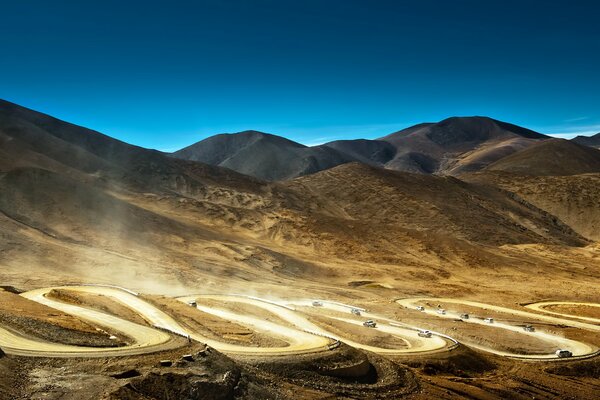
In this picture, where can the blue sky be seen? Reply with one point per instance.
(166, 74)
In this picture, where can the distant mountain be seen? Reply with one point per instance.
(263, 155)
(452, 146)
(551, 158)
(590, 141)
(456, 145)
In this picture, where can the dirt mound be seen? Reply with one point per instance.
(589, 369)
(552, 157)
(462, 362)
(344, 372)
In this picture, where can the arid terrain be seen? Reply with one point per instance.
(128, 273)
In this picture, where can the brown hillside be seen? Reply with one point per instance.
(553, 157)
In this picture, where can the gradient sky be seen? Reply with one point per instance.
(165, 74)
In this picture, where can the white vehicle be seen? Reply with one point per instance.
(528, 328)
(489, 320)
(192, 303)
(464, 316)
(561, 353)
(369, 323)
(355, 311)
(420, 308)
(317, 303)
(441, 311)
(424, 333)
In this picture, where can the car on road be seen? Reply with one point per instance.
(464, 316)
(424, 333)
(489, 320)
(441, 311)
(420, 308)
(561, 353)
(192, 303)
(355, 311)
(528, 328)
(317, 303)
(370, 323)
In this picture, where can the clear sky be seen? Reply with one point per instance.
(165, 74)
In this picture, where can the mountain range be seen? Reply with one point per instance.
(453, 147)
(73, 196)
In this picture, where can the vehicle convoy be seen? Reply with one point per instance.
(424, 333)
(441, 311)
(355, 311)
(370, 323)
(561, 353)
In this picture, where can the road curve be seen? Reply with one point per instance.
(541, 307)
(578, 349)
(145, 339)
(299, 340)
(409, 335)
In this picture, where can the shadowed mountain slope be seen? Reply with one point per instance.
(571, 198)
(262, 155)
(553, 157)
(590, 141)
(32, 139)
(446, 206)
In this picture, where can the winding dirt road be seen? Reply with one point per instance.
(578, 349)
(409, 335)
(145, 339)
(297, 330)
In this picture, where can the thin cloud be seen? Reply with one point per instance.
(570, 131)
(576, 119)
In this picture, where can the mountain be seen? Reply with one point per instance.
(456, 145)
(262, 155)
(573, 199)
(34, 140)
(395, 206)
(450, 147)
(552, 157)
(590, 141)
